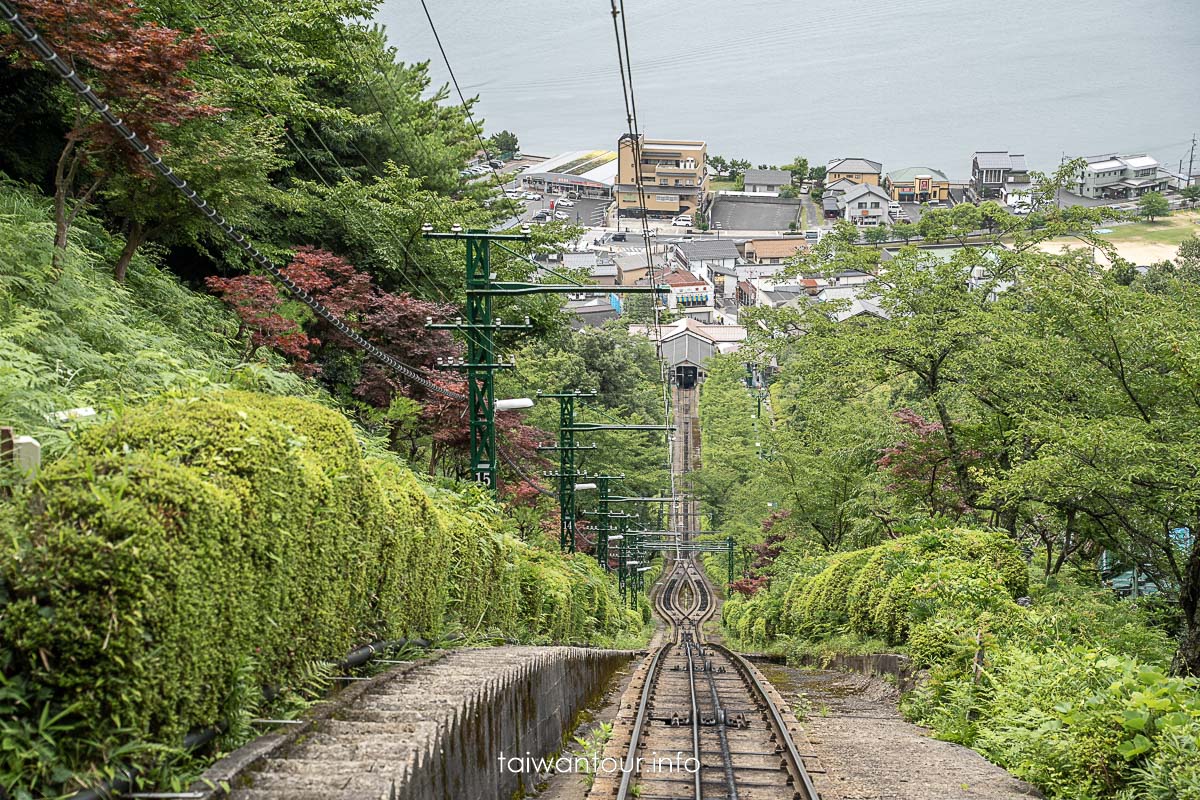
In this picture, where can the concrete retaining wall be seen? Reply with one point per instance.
(875, 665)
(522, 713)
(434, 730)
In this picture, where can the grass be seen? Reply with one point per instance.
(720, 186)
(1174, 229)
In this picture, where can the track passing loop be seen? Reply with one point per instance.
(706, 725)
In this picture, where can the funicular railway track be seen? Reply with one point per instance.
(702, 704)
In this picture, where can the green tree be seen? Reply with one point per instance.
(1152, 205)
(1191, 194)
(904, 230)
(798, 168)
(817, 174)
(876, 234)
(505, 142)
(737, 167)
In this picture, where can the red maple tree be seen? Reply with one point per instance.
(137, 66)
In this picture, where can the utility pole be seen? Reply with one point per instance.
(1191, 161)
(566, 474)
(480, 329)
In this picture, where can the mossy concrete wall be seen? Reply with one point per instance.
(434, 731)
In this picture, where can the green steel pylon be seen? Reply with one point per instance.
(480, 364)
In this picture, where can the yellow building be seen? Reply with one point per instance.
(918, 185)
(674, 175)
(856, 170)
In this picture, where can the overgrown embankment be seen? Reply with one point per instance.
(195, 542)
(197, 547)
(1067, 689)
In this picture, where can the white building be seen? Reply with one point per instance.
(1115, 177)
(865, 204)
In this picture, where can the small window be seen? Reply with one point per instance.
(874, 205)
(862, 205)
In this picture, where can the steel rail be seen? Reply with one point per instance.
(795, 762)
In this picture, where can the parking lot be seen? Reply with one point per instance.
(586, 211)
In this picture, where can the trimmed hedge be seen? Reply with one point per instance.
(189, 541)
(887, 591)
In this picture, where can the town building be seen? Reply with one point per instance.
(674, 176)
(917, 185)
(865, 204)
(773, 251)
(715, 260)
(858, 170)
(690, 295)
(1114, 177)
(992, 169)
(687, 344)
(768, 181)
(585, 173)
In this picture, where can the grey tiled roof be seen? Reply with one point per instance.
(774, 177)
(701, 250)
(1000, 159)
(859, 165)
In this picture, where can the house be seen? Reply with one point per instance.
(857, 170)
(768, 181)
(860, 307)
(992, 169)
(686, 344)
(631, 268)
(917, 185)
(1113, 177)
(865, 204)
(830, 194)
(773, 251)
(593, 311)
(690, 295)
(674, 176)
(713, 259)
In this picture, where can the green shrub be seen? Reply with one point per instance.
(196, 546)
(883, 591)
(1078, 723)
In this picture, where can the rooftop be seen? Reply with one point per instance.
(859, 165)
(1114, 161)
(861, 190)
(705, 249)
(776, 248)
(1000, 159)
(599, 166)
(909, 174)
(678, 276)
(771, 177)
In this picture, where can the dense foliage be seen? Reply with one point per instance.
(1005, 394)
(200, 532)
(144, 564)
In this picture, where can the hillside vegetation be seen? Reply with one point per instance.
(953, 478)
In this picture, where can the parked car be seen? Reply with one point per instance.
(619, 237)
(683, 220)
(562, 201)
(496, 163)
(561, 215)
(532, 196)
(541, 216)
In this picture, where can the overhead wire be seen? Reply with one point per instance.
(337, 162)
(462, 98)
(625, 68)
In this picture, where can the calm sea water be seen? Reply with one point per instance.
(907, 82)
